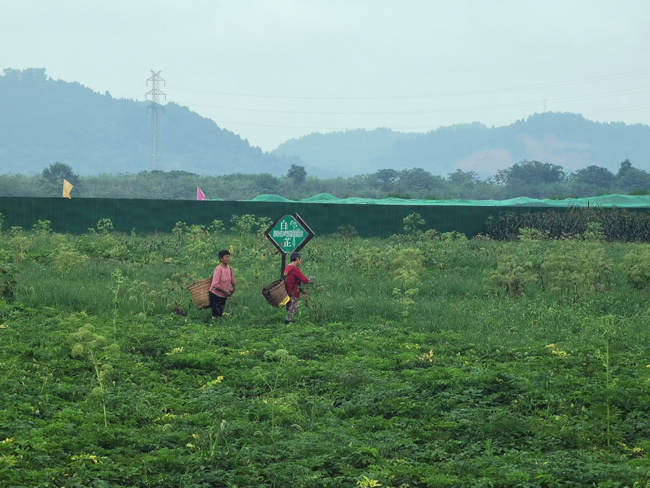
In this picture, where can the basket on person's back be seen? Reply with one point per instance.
(201, 293)
(276, 293)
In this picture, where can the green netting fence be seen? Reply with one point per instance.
(621, 201)
(368, 217)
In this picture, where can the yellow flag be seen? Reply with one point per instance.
(67, 188)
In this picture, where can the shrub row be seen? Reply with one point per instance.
(617, 224)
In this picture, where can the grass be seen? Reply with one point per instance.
(466, 386)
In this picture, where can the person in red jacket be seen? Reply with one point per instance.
(293, 277)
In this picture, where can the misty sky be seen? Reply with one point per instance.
(272, 70)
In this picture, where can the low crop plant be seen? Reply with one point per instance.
(20, 243)
(88, 345)
(440, 384)
(243, 224)
(594, 232)
(66, 257)
(42, 227)
(7, 281)
(413, 223)
(574, 269)
(406, 269)
(636, 264)
(118, 281)
(514, 274)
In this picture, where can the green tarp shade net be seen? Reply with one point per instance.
(324, 213)
(638, 201)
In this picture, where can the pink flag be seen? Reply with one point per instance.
(199, 193)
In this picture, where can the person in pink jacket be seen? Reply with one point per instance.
(223, 284)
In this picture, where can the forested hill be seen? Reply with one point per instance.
(566, 139)
(44, 120)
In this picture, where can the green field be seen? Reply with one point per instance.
(420, 360)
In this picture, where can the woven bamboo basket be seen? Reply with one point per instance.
(201, 293)
(276, 293)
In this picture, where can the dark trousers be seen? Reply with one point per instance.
(217, 304)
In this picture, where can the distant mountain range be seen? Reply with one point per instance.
(566, 139)
(44, 120)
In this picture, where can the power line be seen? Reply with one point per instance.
(535, 86)
(531, 103)
(398, 128)
(155, 95)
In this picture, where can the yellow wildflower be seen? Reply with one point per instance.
(86, 457)
(213, 382)
(365, 482)
(427, 356)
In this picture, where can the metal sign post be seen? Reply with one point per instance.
(289, 234)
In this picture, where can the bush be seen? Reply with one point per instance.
(568, 268)
(66, 257)
(104, 226)
(7, 281)
(531, 234)
(43, 227)
(575, 269)
(512, 276)
(615, 224)
(594, 232)
(413, 223)
(637, 267)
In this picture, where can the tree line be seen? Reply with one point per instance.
(527, 178)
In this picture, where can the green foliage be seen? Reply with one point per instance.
(573, 270)
(104, 226)
(86, 344)
(594, 232)
(456, 387)
(530, 173)
(42, 227)
(514, 275)
(588, 223)
(413, 223)
(66, 257)
(406, 266)
(570, 269)
(527, 234)
(56, 172)
(180, 228)
(297, 173)
(7, 281)
(244, 224)
(216, 227)
(637, 266)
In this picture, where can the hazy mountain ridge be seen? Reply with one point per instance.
(566, 139)
(44, 120)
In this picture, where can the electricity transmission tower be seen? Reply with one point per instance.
(155, 95)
